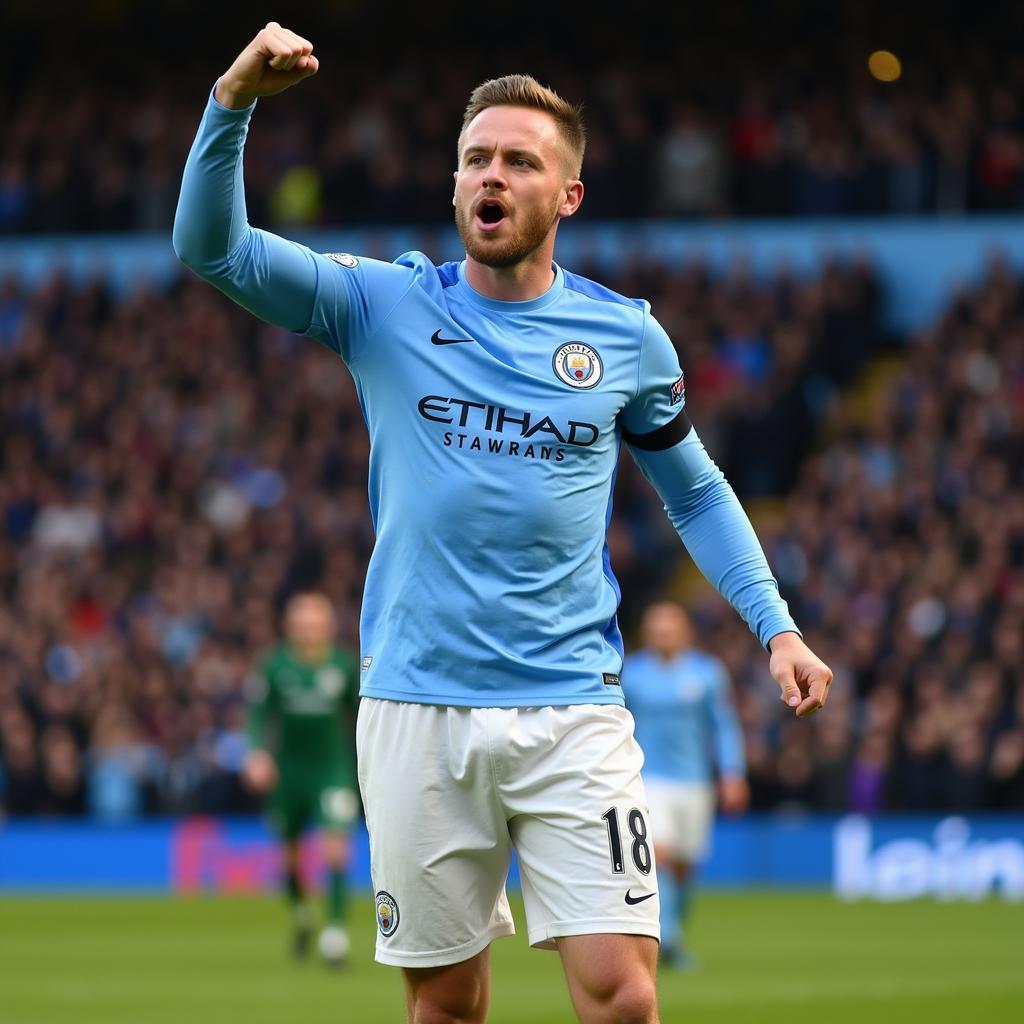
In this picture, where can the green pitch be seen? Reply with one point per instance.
(768, 958)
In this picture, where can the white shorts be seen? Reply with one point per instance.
(450, 791)
(681, 817)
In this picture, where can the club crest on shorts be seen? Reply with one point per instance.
(346, 259)
(387, 913)
(577, 365)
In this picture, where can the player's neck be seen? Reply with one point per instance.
(311, 655)
(528, 279)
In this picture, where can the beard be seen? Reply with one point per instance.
(521, 243)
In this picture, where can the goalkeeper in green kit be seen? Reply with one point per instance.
(302, 706)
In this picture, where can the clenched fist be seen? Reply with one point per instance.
(275, 60)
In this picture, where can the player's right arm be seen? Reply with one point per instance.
(339, 300)
(273, 278)
(259, 770)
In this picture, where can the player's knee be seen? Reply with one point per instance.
(635, 1002)
(426, 1011)
(451, 1004)
(632, 1001)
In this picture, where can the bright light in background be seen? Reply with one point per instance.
(885, 66)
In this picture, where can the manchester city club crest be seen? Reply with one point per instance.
(577, 365)
(387, 913)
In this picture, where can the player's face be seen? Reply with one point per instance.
(513, 185)
(666, 629)
(309, 622)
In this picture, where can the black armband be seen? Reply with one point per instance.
(664, 437)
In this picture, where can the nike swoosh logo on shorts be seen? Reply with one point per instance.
(438, 340)
(631, 900)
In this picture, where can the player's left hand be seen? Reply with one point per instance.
(802, 676)
(733, 794)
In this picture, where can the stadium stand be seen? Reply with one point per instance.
(171, 470)
(902, 549)
(680, 126)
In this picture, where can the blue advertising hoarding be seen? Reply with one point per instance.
(889, 858)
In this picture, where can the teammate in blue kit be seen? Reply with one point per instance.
(497, 392)
(687, 729)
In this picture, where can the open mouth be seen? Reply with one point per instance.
(490, 213)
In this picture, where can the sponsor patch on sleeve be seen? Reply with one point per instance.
(346, 259)
(611, 679)
(677, 390)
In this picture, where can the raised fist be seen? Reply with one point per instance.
(275, 60)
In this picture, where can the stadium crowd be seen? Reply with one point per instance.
(678, 128)
(902, 551)
(170, 470)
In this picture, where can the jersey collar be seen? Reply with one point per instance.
(551, 295)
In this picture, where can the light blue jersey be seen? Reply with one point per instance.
(495, 430)
(685, 723)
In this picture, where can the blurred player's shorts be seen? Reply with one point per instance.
(681, 817)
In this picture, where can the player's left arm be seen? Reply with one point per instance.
(733, 791)
(709, 519)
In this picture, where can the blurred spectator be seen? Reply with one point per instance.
(123, 770)
(62, 776)
(691, 167)
(22, 781)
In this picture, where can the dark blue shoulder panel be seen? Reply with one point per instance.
(448, 274)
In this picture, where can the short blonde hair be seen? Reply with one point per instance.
(526, 91)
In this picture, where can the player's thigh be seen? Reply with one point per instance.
(460, 991)
(579, 821)
(611, 976)
(337, 806)
(439, 845)
(291, 809)
(695, 812)
(666, 822)
(336, 809)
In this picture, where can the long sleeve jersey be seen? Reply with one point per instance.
(495, 430)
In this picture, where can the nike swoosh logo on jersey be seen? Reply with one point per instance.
(438, 340)
(632, 900)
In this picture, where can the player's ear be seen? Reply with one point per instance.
(572, 198)
(455, 178)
